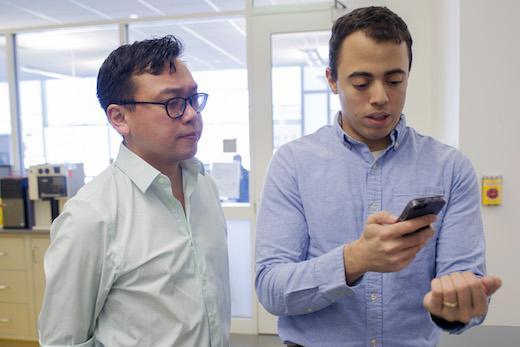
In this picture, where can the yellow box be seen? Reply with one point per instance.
(491, 190)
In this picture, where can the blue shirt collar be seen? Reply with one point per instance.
(396, 136)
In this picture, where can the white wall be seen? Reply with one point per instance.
(445, 71)
(417, 15)
(490, 133)
(464, 90)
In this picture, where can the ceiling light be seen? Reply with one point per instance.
(133, 16)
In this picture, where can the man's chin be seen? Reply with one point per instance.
(188, 154)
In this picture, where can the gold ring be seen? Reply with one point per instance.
(450, 304)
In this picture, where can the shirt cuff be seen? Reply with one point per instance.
(447, 325)
(330, 271)
(90, 343)
(456, 327)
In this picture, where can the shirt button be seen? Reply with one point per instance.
(309, 310)
(373, 297)
(373, 342)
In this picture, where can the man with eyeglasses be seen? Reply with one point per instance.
(139, 256)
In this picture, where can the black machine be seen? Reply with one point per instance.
(18, 210)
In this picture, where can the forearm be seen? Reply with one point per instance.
(303, 287)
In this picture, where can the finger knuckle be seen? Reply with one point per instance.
(464, 318)
(389, 249)
(463, 287)
(450, 293)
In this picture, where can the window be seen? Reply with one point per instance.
(302, 101)
(215, 53)
(5, 114)
(60, 114)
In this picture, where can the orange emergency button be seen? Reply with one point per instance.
(491, 190)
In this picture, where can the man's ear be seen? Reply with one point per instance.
(118, 118)
(332, 82)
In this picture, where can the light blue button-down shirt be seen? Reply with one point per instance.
(126, 267)
(318, 194)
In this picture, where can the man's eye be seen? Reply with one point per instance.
(360, 85)
(174, 102)
(396, 82)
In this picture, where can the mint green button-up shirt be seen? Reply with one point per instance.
(127, 267)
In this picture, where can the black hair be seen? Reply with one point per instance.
(114, 82)
(378, 23)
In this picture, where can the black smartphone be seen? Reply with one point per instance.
(421, 207)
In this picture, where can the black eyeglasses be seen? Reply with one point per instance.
(176, 106)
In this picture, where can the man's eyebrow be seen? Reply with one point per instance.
(395, 71)
(360, 74)
(369, 75)
(175, 91)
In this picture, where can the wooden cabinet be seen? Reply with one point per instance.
(22, 283)
(38, 247)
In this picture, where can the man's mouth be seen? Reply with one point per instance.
(190, 136)
(378, 119)
(379, 116)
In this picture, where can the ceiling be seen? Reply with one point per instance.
(30, 13)
(210, 43)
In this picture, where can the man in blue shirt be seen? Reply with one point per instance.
(333, 262)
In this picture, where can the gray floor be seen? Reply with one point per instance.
(486, 336)
(483, 336)
(255, 341)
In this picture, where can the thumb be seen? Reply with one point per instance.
(491, 284)
(382, 217)
(427, 300)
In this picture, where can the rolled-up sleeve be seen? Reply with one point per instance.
(286, 282)
(73, 271)
(461, 244)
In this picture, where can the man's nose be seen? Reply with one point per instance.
(189, 113)
(378, 96)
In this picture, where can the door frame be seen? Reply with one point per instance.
(260, 28)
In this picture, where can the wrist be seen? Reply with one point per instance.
(353, 265)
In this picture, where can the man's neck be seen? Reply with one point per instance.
(373, 145)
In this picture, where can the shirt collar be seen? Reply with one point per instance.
(396, 136)
(143, 174)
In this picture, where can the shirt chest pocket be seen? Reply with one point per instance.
(401, 196)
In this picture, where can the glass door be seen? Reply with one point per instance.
(289, 96)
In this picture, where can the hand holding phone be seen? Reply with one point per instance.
(421, 207)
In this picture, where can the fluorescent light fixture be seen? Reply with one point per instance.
(211, 44)
(152, 8)
(133, 16)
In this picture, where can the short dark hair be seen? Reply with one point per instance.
(114, 82)
(378, 23)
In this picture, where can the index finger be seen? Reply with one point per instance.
(382, 217)
(409, 226)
